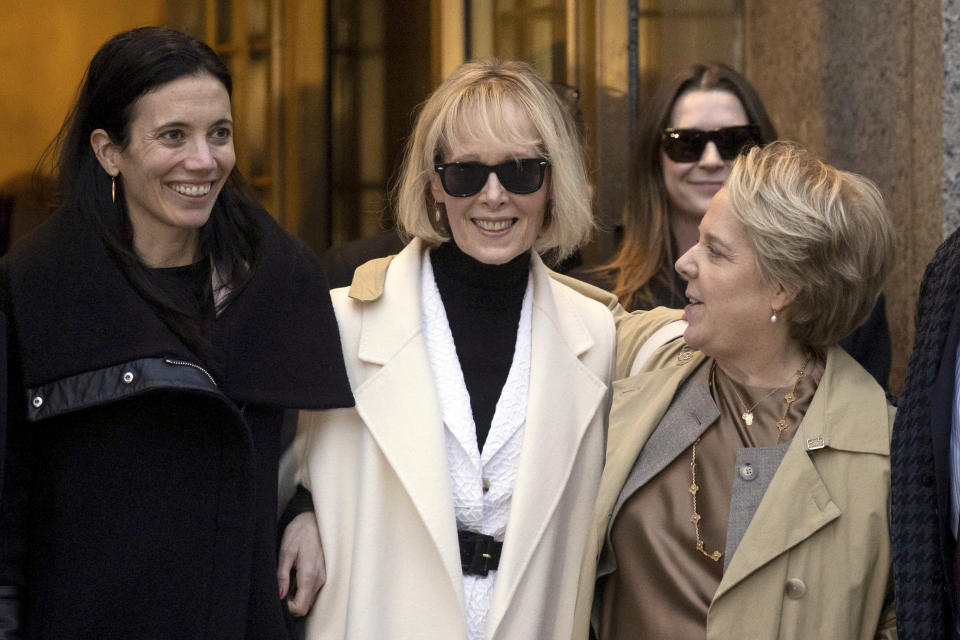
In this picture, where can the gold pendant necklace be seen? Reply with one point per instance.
(747, 415)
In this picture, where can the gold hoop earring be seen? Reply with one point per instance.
(113, 189)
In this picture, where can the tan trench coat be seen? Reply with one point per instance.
(814, 562)
(380, 482)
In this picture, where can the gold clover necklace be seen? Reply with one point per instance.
(747, 417)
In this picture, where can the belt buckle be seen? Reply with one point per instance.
(479, 564)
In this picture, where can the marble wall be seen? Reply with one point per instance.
(951, 115)
(861, 83)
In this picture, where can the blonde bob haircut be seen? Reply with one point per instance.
(469, 106)
(821, 233)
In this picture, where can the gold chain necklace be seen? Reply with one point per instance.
(747, 414)
(791, 397)
(782, 425)
(696, 517)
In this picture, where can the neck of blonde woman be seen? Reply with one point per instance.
(765, 363)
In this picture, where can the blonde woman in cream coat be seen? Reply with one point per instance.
(493, 176)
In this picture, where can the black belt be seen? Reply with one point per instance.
(479, 553)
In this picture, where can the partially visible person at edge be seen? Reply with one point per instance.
(747, 482)
(156, 327)
(453, 502)
(686, 140)
(925, 460)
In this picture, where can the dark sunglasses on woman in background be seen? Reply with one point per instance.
(687, 145)
(463, 179)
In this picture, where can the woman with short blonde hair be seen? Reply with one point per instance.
(747, 480)
(819, 230)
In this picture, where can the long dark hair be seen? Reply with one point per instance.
(128, 66)
(644, 264)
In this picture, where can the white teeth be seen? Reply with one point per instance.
(192, 189)
(493, 225)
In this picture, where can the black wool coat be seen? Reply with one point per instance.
(921, 530)
(139, 495)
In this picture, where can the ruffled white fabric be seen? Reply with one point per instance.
(475, 510)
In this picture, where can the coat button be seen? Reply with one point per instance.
(127, 377)
(37, 401)
(485, 483)
(795, 588)
(747, 472)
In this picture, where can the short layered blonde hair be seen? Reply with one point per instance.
(470, 105)
(822, 233)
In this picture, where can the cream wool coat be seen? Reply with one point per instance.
(823, 519)
(379, 476)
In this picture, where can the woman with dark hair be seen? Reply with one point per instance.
(686, 140)
(156, 328)
(664, 211)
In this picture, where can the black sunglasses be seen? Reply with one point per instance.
(687, 145)
(463, 179)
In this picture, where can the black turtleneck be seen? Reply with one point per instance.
(483, 303)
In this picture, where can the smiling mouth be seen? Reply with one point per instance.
(192, 190)
(495, 225)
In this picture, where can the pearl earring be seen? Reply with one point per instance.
(773, 318)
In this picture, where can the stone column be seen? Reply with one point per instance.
(860, 82)
(951, 116)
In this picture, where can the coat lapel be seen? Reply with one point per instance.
(797, 503)
(687, 418)
(399, 404)
(564, 398)
(639, 403)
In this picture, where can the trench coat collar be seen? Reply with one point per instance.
(843, 415)
(75, 311)
(689, 415)
(639, 402)
(563, 391)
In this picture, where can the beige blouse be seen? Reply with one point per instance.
(663, 585)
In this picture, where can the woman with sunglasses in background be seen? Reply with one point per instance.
(692, 129)
(453, 501)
